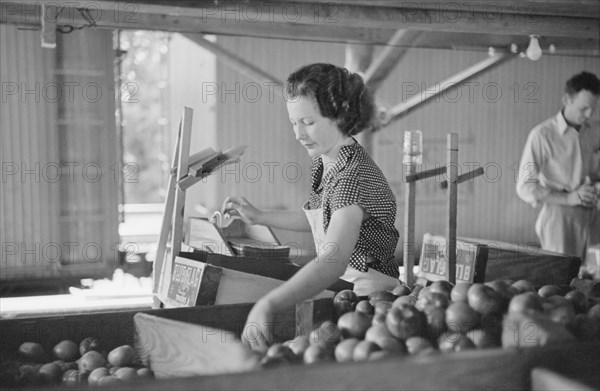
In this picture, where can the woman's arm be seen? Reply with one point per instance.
(294, 220)
(316, 276)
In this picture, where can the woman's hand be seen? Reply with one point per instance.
(258, 330)
(239, 206)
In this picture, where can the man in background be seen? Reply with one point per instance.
(560, 170)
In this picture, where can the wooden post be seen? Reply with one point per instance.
(358, 59)
(165, 230)
(182, 172)
(408, 254)
(174, 209)
(452, 174)
(49, 16)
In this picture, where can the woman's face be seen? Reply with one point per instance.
(319, 135)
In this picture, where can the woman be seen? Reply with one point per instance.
(351, 209)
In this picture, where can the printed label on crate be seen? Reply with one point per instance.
(433, 264)
(185, 282)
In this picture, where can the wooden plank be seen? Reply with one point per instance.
(346, 15)
(408, 255)
(543, 379)
(452, 174)
(425, 174)
(203, 350)
(521, 261)
(182, 171)
(505, 369)
(166, 225)
(116, 328)
(48, 26)
(357, 59)
(536, 7)
(241, 281)
(264, 267)
(464, 177)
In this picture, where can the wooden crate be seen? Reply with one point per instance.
(494, 260)
(492, 369)
(504, 369)
(520, 261)
(223, 279)
(117, 328)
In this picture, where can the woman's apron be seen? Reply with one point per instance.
(364, 282)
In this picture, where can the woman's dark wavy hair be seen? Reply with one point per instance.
(341, 95)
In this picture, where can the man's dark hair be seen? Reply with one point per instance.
(583, 81)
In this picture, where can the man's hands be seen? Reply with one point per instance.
(585, 195)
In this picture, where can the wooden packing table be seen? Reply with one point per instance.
(502, 369)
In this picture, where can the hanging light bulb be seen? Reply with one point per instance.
(534, 51)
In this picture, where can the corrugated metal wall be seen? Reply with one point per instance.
(492, 114)
(28, 198)
(59, 139)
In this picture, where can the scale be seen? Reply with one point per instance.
(439, 264)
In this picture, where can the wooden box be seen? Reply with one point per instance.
(480, 260)
(118, 328)
(237, 238)
(498, 369)
(519, 261)
(210, 278)
(471, 260)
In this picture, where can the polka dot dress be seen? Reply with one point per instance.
(355, 179)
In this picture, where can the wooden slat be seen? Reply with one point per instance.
(452, 174)
(182, 170)
(116, 328)
(203, 351)
(351, 15)
(358, 59)
(507, 369)
(409, 226)
(48, 27)
(543, 379)
(166, 225)
(263, 267)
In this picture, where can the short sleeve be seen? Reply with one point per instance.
(347, 191)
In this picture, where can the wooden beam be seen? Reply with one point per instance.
(244, 67)
(531, 7)
(30, 16)
(358, 59)
(389, 57)
(48, 26)
(415, 101)
(355, 16)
